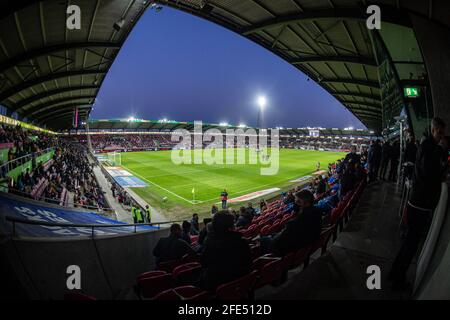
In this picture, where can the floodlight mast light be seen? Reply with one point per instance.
(262, 102)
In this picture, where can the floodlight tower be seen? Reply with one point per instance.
(262, 102)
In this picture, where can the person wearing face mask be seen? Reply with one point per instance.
(429, 172)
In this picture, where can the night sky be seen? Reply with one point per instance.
(180, 67)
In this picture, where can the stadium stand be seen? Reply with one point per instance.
(51, 204)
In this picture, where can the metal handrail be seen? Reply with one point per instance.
(55, 201)
(14, 221)
(30, 156)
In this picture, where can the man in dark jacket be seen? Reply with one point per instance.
(226, 255)
(429, 173)
(303, 230)
(385, 152)
(171, 247)
(394, 158)
(374, 159)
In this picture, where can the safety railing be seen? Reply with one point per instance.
(6, 167)
(93, 227)
(56, 201)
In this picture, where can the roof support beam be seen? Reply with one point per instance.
(65, 108)
(48, 77)
(50, 93)
(360, 82)
(374, 106)
(32, 54)
(47, 105)
(357, 95)
(336, 13)
(346, 59)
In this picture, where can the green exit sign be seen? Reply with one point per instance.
(412, 92)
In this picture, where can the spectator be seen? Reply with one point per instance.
(245, 218)
(394, 158)
(374, 159)
(186, 234)
(429, 173)
(302, 231)
(171, 247)
(352, 156)
(226, 255)
(195, 228)
(214, 210)
(207, 227)
(385, 152)
(262, 205)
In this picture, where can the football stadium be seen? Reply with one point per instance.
(308, 159)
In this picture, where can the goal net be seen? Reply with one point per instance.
(115, 159)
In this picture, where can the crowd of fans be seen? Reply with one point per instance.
(20, 143)
(128, 142)
(69, 171)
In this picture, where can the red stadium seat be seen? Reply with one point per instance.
(187, 273)
(265, 230)
(183, 293)
(76, 296)
(169, 265)
(150, 287)
(269, 271)
(323, 241)
(150, 274)
(238, 289)
(189, 257)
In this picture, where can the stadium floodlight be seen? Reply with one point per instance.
(223, 124)
(242, 125)
(131, 119)
(262, 102)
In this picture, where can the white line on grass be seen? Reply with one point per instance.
(156, 185)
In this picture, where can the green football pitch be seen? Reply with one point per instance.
(171, 186)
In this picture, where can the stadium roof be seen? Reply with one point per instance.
(140, 125)
(46, 70)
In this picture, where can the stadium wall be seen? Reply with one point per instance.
(109, 265)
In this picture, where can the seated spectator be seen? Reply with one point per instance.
(226, 255)
(171, 247)
(214, 210)
(300, 232)
(195, 228)
(186, 234)
(250, 210)
(207, 226)
(244, 219)
(262, 205)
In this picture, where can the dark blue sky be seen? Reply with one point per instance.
(177, 66)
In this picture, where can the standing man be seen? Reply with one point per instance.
(148, 215)
(374, 159)
(395, 158)
(429, 172)
(224, 198)
(385, 152)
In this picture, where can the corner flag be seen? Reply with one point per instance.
(193, 190)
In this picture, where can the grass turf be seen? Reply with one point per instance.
(170, 185)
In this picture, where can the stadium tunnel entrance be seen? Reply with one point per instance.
(392, 79)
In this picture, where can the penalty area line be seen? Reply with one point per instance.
(156, 185)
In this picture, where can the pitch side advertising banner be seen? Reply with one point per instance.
(41, 213)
